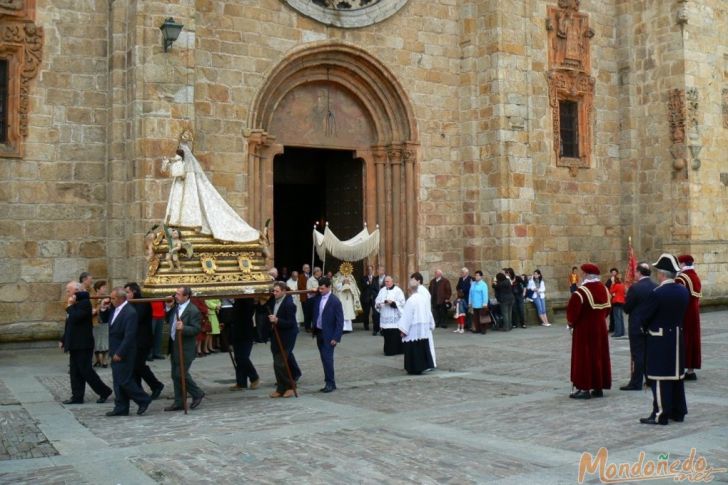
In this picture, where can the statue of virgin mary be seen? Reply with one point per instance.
(194, 202)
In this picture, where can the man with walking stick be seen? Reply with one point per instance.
(185, 325)
(284, 327)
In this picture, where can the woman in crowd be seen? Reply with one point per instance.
(538, 295)
(213, 307)
(617, 290)
(504, 295)
(478, 301)
(519, 291)
(101, 328)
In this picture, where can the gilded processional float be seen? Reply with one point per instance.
(202, 243)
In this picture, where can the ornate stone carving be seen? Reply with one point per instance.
(347, 13)
(21, 42)
(569, 37)
(676, 119)
(570, 79)
(12, 4)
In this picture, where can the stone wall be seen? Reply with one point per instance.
(53, 200)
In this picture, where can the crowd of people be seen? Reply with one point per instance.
(664, 328)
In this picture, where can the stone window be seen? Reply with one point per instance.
(569, 128)
(4, 84)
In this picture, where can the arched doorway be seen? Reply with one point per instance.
(339, 97)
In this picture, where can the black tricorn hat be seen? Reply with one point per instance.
(667, 262)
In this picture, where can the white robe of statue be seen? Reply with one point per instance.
(195, 203)
(346, 289)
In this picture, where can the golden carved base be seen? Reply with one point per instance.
(214, 268)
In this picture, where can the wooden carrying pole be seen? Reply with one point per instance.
(284, 354)
(181, 358)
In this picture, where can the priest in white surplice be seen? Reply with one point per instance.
(346, 290)
(416, 327)
(390, 304)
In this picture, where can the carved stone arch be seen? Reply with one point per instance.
(377, 123)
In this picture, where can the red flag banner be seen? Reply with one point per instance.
(631, 265)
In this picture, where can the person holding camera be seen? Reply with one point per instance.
(389, 303)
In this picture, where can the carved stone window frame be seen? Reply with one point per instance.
(21, 44)
(577, 87)
(348, 19)
(569, 77)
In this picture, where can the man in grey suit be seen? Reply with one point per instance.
(122, 320)
(184, 316)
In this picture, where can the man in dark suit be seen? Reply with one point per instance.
(464, 286)
(144, 341)
(78, 341)
(185, 317)
(282, 318)
(242, 336)
(440, 293)
(328, 326)
(665, 348)
(634, 306)
(369, 292)
(122, 318)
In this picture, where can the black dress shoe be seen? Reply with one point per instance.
(117, 413)
(678, 419)
(103, 399)
(196, 401)
(580, 395)
(73, 401)
(327, 389)
(691, 377)
(597, 393)
(157, 392)
(629, 388)
(174, 407)
(143, 407)
(651, 420)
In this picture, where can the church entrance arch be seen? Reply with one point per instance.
(337, 97)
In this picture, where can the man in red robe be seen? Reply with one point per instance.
(691, 325)
(586, 315)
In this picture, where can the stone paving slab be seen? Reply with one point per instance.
(497, 410)
(6, 395)
(55, 475)
(21, 438)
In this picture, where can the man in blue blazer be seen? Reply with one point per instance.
(328, 326)
(122, 320)
(637, 296)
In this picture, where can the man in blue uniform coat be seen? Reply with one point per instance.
(663, 322)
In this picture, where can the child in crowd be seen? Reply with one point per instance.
(573, 279)
(461, 310)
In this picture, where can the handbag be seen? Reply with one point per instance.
(485, 318)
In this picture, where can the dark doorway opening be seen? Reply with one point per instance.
(315, 185)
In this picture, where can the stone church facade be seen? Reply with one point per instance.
(490, 133)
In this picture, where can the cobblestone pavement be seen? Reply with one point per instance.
(496, 411)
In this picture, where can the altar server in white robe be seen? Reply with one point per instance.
(416, 327)
(390, 303)
(292, 285)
